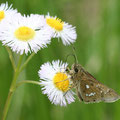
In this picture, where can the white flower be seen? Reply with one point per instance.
(24, 33)
(60, 29)
(6, 11)
(55, 83)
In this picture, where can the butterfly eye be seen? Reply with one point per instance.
(76, 70)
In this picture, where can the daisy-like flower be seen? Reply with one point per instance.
(60, 29)
(55, 83)
(24, 33)
(6, 11)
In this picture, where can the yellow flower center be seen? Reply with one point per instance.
(2, 15)
(61, 81)
(24, 33)
(55, 23)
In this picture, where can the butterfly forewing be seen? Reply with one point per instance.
(89, 92)
(92, 90)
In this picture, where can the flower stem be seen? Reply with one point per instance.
(27, 81)
(12, 89)
(26, 62)
(11, 58)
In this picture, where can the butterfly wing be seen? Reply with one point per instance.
(91, 90)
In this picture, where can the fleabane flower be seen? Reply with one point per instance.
(6, 11)
(24, 33)
(55, 83)
(60, 29)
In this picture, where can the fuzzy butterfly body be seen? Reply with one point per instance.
(88, 88)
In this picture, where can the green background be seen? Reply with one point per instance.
(98, 50)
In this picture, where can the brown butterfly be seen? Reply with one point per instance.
(88, 88)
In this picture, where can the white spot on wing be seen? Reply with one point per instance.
(87, 86)
(91, 94)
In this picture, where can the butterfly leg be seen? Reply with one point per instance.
(79, 95)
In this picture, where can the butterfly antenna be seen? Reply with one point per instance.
(74, 52)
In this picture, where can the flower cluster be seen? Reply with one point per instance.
(30, 33)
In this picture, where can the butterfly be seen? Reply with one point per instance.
(88, 89)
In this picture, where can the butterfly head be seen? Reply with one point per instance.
(75, 71)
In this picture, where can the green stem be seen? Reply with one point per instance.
(26, 62)
(11, 58)
(12, 88)
(27, 81)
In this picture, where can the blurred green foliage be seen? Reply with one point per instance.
(97, 47)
